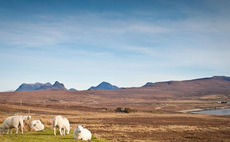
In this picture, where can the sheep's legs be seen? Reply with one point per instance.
(60, 131)
(7, 132)
(11, 131)
(54, 131)
(16, 130)
(22, 130)
(64, 131)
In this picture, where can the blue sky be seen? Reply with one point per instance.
(125, 42)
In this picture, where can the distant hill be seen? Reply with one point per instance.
(104, 86)
(200, 81)
(41, 86)
(73, 89)
(197, 87)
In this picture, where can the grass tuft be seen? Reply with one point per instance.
(46, 135)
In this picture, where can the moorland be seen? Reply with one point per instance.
(158, 111)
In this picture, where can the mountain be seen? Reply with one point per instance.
(46, 86)
(58, 85)
(214, 79)
(41, 86)
(72, 89)
(104, 86)
(195, 87)
(29, 87)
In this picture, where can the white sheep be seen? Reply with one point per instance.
(61, 123)
(12, 122)
(82, 133)
(36, 125)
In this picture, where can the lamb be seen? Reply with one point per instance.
(61, 123)
(82, 133)
(36, 125)
(12, 122)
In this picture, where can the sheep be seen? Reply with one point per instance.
(12, 122)
(61, 123)
(36, 125)
(82, 133)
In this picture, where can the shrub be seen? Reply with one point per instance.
(124, 110)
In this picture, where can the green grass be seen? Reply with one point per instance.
(46, 136)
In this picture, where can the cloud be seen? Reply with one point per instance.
(130, 28)
(30, 34)
(71, 29)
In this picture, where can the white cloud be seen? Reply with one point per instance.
(132, 28)
(30, 34)
(72, 29)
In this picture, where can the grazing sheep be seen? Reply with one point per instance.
(61, 123)
(82, 133)
(36, 125)
(12, 122)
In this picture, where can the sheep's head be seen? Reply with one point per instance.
(68, 129)
(26, 117)
(79, 129)
(2, 130)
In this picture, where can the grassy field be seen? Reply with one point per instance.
(46, 135)
(107, 125)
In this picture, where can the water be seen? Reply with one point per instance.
(215, 112)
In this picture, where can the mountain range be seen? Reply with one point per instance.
(215, 84)
(211, 89)
(40, 86)
(59, 86)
